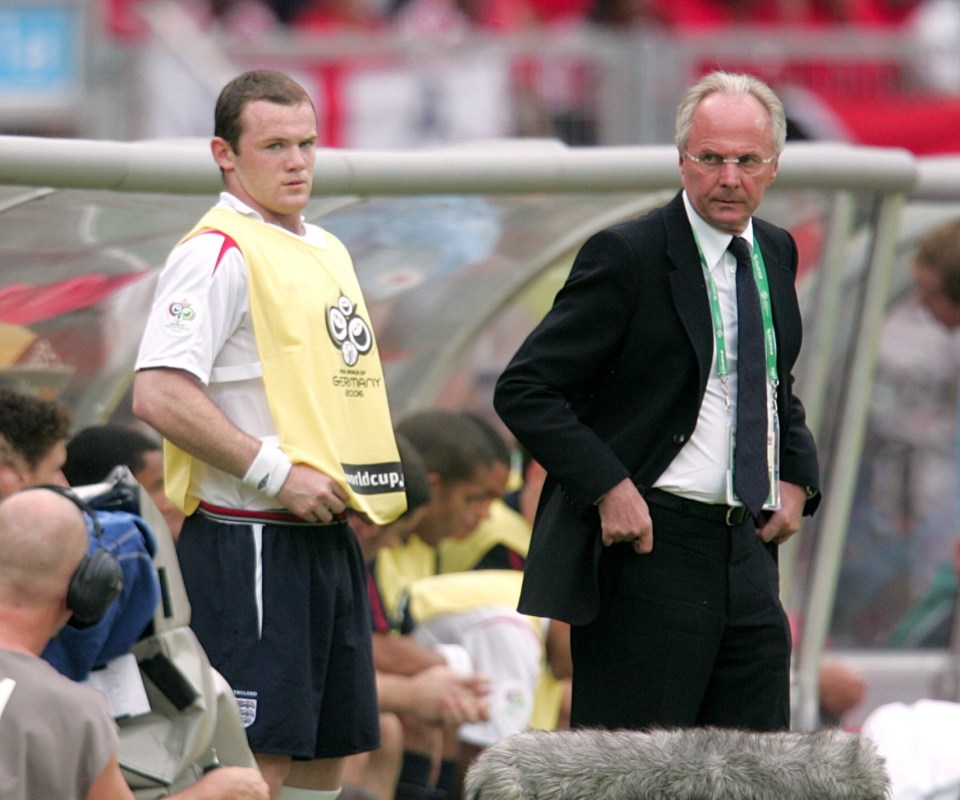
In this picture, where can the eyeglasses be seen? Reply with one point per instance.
(749, 163)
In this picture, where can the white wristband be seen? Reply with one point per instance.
(269, 470)
(457, 657)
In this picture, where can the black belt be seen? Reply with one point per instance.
(715, 512)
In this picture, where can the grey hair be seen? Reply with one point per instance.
(732, 83)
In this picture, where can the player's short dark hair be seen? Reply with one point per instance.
(259, 84)
(93, 452)
(31, 425)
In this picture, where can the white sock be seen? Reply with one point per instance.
(291, 793)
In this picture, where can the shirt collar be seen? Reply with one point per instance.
(234, 203)
(713, 242)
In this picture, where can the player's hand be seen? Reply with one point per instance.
(450, 699)
(229, 783)
(312, 495)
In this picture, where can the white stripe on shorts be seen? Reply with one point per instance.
(257, 531)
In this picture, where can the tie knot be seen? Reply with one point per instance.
(740, 249)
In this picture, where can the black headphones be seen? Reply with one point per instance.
(98, 578)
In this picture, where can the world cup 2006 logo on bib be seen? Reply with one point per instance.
(349, 332)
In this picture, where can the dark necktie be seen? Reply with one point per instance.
(751, 481)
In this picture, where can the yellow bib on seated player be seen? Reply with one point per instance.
(454, 592)
(321, 368)
(14, 342)
(400, 565)
(504, 526)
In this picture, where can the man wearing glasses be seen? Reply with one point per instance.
(658, 394)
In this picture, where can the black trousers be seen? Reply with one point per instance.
(691, 634)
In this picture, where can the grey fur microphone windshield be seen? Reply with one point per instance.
(689, 764)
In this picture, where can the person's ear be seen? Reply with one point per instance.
(10, 480)
(222, 153)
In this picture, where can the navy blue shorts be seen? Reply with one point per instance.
(294, 645)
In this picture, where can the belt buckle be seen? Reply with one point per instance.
(731, 511)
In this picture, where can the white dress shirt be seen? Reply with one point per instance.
(699, 472)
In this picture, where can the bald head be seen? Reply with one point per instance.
(43, 537)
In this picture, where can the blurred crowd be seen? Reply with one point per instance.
(251, 16)
(374, 100)
(886, 74)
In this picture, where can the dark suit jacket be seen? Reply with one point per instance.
(609, 386)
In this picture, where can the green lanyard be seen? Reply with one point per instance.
(766, 315)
